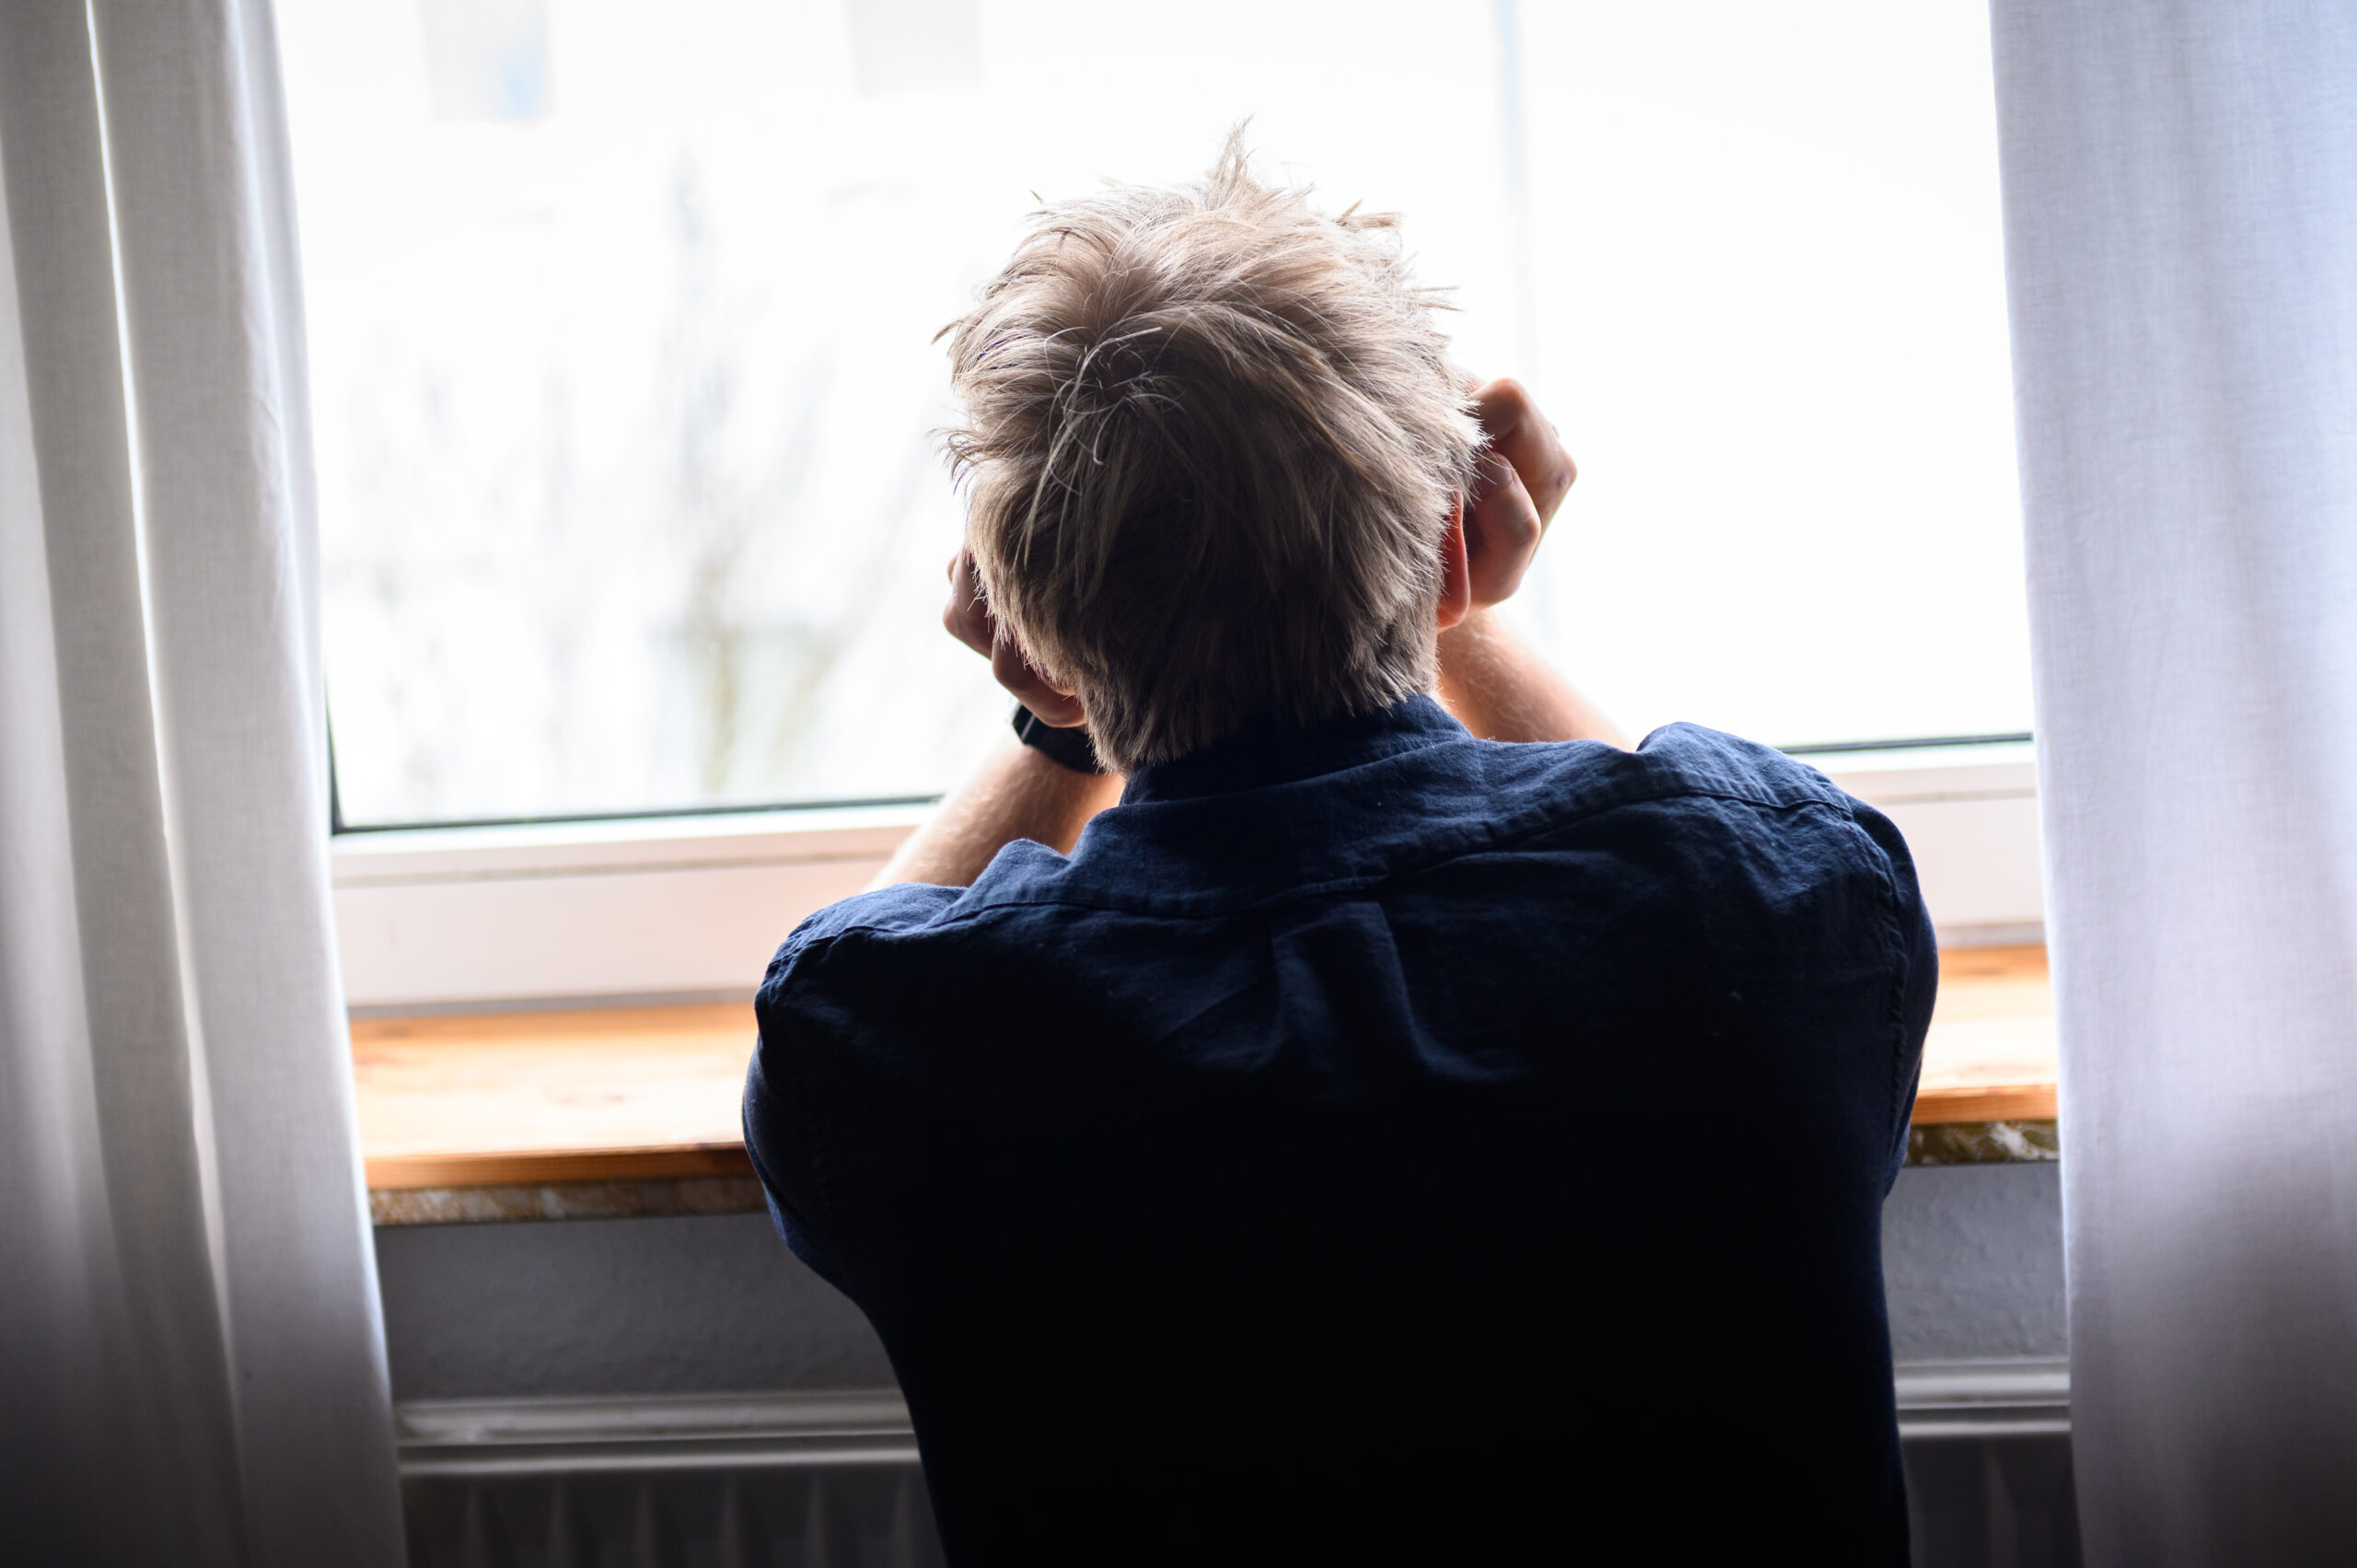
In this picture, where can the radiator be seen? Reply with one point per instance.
(1987, 1446)
(831, 1480)
(776, 1481)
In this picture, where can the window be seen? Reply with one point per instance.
(624, 386)
(1768, 296)
(624, 369)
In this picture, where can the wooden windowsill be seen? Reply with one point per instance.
(485, 1100)
(1992, 1054)
(626, 1095)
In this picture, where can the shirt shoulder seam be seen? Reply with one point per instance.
(1501, 836)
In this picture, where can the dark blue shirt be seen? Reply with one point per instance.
(1373, 1142)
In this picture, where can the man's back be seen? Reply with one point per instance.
(1372, 1138)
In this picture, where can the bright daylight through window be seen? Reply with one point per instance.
(622, 328)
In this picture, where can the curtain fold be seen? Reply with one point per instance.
(2180, 188)
(194, 1369)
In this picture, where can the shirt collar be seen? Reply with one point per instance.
(1271, 752)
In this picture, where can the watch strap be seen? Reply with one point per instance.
(1069, 748)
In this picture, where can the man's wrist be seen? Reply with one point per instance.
(1472, 643)
(1502, 687)
(1068, 749)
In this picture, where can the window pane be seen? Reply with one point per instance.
(621, 324)
(1770, 318)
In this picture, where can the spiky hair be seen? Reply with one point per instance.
(1211, 440)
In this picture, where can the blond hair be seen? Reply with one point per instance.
(1211, 441)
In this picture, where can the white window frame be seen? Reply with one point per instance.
(684, 908)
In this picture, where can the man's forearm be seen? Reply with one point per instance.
(1502, 688)
(1017, 794)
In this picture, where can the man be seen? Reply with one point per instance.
(1363, 1141)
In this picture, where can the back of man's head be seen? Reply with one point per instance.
(1211, 443)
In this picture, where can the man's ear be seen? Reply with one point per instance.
(1455, 582)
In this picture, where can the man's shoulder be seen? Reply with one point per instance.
(1682, 779)
(1676, 760)
(908, 912)
(1222, 856)
(1714, 759)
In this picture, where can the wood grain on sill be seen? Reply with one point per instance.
(1991, 1056)
(518, 1099)
(526, 1099)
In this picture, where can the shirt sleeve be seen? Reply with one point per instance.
(775, 1147)
(1918, 982)
(786, 1112)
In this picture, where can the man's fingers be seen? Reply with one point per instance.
(1058, 709)
(967, 616)
(1508, 517)
(968, 624)
(1522, 436)
(1503, 528)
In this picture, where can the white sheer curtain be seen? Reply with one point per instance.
(2181, 207)
(191, 1364)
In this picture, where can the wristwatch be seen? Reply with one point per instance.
(1065, 748)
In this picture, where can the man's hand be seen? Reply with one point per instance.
(1498, 683)
(1017, 793)
(1524, 477)
(968, 618)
